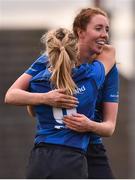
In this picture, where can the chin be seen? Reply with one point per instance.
(98, 50)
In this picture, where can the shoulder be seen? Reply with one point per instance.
(97, 68)
(42, 59)
(38, 65)
(112, 77)
(97, 65)
(113, 71)
(43, 75)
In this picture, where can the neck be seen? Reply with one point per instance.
(85, 54)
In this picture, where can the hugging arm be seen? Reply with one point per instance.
(18, 95)
(80, 123)
(106, 126)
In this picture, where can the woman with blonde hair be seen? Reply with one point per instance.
(59, 152)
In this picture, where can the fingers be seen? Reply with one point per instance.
(58, 98)
(70, 97)
(63, 91)
(69, 101)
(71, 119)
(76, 122)
(77, 115)
(73, 124)
(73, 127)
(66, 101)
(66, 105)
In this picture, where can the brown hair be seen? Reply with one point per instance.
(83, 18)
(62, 53)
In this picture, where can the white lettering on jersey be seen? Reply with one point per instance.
(80, 90)
(114, 95)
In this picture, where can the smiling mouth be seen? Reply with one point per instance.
(101, 43)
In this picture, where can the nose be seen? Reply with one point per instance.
(104, 34)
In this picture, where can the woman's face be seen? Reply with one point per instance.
(96, 34)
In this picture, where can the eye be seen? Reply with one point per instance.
(98, 28)
(107, 29)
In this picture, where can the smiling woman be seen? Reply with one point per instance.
(91, 27)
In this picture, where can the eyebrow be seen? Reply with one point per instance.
(102, 25)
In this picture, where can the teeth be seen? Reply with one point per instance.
(101, 42)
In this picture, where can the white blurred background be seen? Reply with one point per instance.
(40, 14)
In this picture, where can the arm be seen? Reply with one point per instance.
(80, 123)
(18, 95)
(109, 97)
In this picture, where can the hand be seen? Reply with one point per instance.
(77, 122)
(58, 98)
(108, 51)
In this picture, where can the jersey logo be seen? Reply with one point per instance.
(80, 90)
(114, 95)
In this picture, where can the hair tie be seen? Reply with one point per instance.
(62, 48)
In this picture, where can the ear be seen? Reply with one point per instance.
(81, 33)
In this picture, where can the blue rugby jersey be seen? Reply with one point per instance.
(50, 127)
(38, 65)
(109, 91)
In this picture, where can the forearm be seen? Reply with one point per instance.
(22, 97)
(104, 129)
(80, 123)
